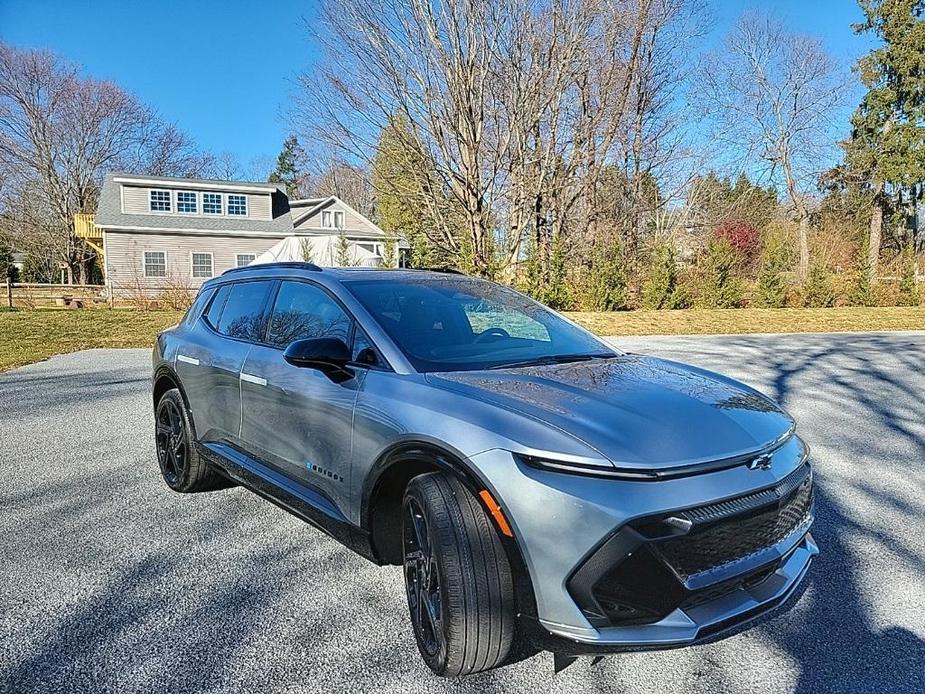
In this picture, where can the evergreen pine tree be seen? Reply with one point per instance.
(661, 282)
(908, 292)
(605, 283)
(818, 290)
(772, 285)
(287, 172)
(722, 286)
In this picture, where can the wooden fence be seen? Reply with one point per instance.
(25, 295)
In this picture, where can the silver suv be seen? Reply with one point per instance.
(541, 489)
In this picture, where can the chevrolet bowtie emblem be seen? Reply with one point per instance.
(761, 462)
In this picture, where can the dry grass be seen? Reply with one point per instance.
(753, 320)
(29, 336)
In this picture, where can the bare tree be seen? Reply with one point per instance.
(434, 66)
(505, 113)
(349, 182)
(774, 94)
(59, 134)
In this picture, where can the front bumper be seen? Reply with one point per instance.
(567, 525)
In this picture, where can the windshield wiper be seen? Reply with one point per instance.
(552, 359)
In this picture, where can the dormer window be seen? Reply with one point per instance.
(332, 219)
(211, 203)
(186, 202)
(237, 205)
(160, 200)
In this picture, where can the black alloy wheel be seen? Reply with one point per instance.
(422, 581)
(457, 577)
(172, 444)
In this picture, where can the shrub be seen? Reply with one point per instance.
(660, 288)
(818, 292)
(605, 283)
(862, 293)
(908, 292)
(545, 277)
(772, 285)
(722, 287)
(744, 237)
(390, 253)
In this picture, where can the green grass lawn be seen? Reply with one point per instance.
(753, 320)
(29, 336)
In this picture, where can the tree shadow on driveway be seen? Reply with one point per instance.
(113, 583)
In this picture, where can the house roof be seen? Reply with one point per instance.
(180, 182)
(306, 202)
(313, 206)
(109, 213)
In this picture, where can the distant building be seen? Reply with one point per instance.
(156, 233)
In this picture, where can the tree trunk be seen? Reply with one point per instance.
(876, 230)
(804, 246)
(802, 216)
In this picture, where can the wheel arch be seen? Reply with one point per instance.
(166, 378)
(383, 491)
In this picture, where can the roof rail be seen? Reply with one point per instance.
(282, 264)
(447, 270)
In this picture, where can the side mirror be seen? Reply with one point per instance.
(328, 354)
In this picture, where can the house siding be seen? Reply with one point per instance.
(135, 201)
(259, 206)
(125, 258)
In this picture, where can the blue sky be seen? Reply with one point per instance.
(224, 71)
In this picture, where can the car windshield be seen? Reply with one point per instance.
(464, 324)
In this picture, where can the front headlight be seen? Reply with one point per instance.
(568, 467)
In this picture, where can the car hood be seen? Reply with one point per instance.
(637, 412)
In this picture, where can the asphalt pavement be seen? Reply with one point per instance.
(111, 582)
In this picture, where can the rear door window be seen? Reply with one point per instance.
(244, 315)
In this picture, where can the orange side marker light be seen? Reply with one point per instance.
(496, 512)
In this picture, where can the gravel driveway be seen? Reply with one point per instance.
(110, 582)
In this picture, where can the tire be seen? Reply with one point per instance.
(182, 468)
(454, 565)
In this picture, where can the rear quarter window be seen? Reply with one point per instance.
(218, 303)
(195, 310)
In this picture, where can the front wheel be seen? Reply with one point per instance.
(457, 577)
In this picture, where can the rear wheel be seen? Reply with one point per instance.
(457, 577)
(182, 468)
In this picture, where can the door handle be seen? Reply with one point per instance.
(188, 360)
(250, 378)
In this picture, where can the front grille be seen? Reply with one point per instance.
(730, 532)
(652, 566)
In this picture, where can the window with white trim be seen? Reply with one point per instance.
(155, 264)
(186, 201)
(211, 203)
(332, 219)
(242, 259)
(202, 264)
(237, 205)
(159, 200)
